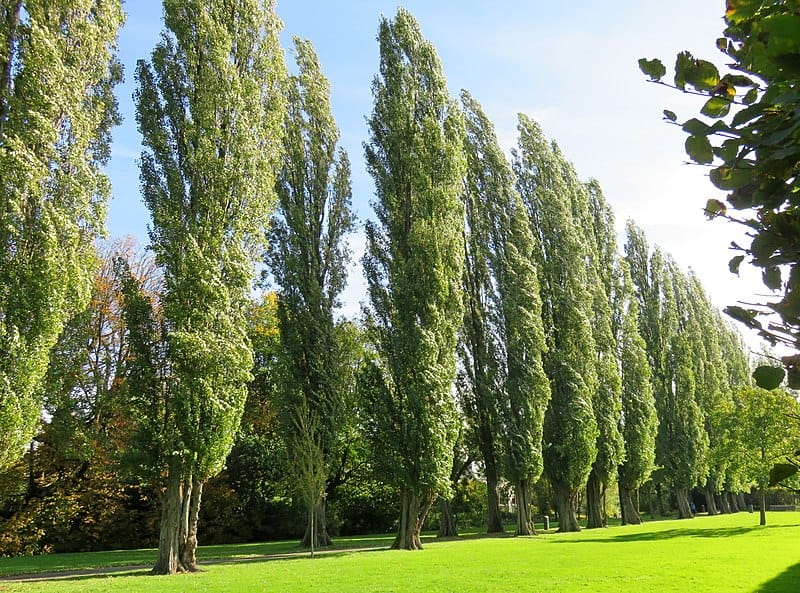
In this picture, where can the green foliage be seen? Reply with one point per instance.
(639, 422)
(544, 179)
(57, 72)
(210, 108)
(753, 148)
(414, 259)
(502, 338)
(308, 261)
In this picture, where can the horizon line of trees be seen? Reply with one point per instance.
(506, 334)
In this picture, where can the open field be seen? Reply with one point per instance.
(720, 554)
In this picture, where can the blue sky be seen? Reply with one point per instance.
(571, 65)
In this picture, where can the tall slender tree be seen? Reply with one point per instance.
(210, 108)
(597, 221)
(308, 260)
(502, 337)
(57, 73)
(570, 426)
(638, 422)
(414, 265)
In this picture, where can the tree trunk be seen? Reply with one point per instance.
(412, 516)
(317, 518)
(567, 521)
(741, 501)
(524, 522)
(732, 502)
(711, 505)
(189, 547)
(169, 541)
(659, 501)
(595, 517)
(447, 524)
(723, 504)
(630, 514)
(682, 498)
(495, 520)
(762, 510)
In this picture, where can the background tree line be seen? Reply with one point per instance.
(507, 340)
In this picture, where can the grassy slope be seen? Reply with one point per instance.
(726, 553)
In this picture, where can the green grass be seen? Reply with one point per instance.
(708, 554)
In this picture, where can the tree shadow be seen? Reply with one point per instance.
(673, 533)
(786, 582)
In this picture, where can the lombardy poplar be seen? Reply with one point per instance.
(57, 73)
(413, 265)
(596, 220)
(502, 339)
(210, 109)
(308, 260)
(570, 426)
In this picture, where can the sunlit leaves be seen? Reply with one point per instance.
(699, 148)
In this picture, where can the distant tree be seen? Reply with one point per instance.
(58, 69)
(570, 426)
(413, 265)
(210, 108)
(308, 261)
(638, 422)
(502, 337)
(766, 427)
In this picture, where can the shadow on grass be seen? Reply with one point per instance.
(786, 582)
(673, 533)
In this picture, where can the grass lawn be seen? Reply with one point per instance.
(708, 554)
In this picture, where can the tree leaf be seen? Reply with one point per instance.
(670, 115)
(737, 80)
(734, 264)
(699, 149)
(768, 377)
(750, 96)
(781, 471)
(695, 127)
(772, 278)
(703, 75)
(746, 316)
(653, 68)
(714, 208)
(729, 178)
(716, 107)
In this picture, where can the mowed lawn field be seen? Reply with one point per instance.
(723, 554)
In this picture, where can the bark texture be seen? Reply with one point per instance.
(317, 524)
(495, 518)
(682, 498)
(630, 512)
(594, 502)
(711, 505)
(180, 513)
(447, 523)
(524, 520)
(413, 512)
(567, 520)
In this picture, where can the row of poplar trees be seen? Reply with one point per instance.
(498, 300)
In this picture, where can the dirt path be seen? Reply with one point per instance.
(106, 570)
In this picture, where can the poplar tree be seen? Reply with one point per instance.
(308, 261)
(58, 68)
(502, 337)
(638, 422)
(210, 109)
(570, 426)
(414, 266)
(597, 221)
